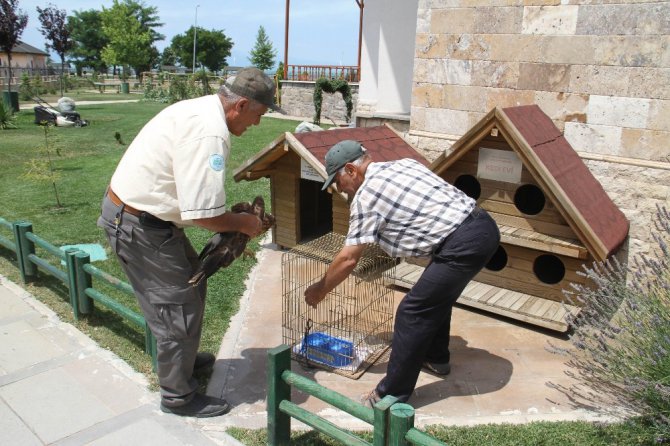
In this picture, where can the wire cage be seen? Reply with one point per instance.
(352, 327)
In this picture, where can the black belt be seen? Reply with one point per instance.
(146, 219)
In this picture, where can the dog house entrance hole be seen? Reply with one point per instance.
(316, 210)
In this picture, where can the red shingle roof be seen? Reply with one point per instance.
(382, 143)
(575, 179)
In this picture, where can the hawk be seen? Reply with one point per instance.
(224, 247)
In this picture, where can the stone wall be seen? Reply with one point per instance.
(297, 100)
(600, 70)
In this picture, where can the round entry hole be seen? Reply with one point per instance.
(469, 185)
(549, 269)
(529, 199)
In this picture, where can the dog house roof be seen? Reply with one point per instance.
(382, 143)
(557, 168)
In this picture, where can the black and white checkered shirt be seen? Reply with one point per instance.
(405, 208)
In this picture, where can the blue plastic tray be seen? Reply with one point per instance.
(327, 349)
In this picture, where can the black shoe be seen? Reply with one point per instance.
(437, 368)
(203, 360)
(201, 406)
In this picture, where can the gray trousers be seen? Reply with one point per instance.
(159, 262)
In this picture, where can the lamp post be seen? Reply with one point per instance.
(195, 33)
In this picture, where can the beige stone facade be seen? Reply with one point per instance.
(599, 69)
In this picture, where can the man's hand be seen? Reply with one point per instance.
(315, 293)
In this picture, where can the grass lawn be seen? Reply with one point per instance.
(84, 160)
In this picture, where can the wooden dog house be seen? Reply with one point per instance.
(294, 162)
(553, 215)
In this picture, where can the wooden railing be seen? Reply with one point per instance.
(313, 72)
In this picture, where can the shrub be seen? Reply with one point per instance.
(7, 116)
(331, 86)
(621, 338)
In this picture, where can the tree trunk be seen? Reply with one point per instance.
(9, 70)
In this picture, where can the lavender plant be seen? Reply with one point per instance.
(621, 338)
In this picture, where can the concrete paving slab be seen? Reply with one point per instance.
(13, 430)
(500, 368)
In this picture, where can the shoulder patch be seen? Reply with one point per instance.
(217, 162)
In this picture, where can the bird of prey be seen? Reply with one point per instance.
(224, 247)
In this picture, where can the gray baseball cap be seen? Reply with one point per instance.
(339, 155)
(252, 83)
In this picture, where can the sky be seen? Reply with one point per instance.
(322, 32)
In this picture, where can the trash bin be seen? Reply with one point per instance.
(125, 87)
(12, 99)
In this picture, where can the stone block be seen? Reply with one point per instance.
(515, 47)
(431, 46)
(498, 74)
(622, 19)
(503, 97)
(423, 20)
(452, 122)
(564, 107)
(577, 50)
(602, 80)
(460, 97)
(617, 111)
(467, 46)
(427, 95)
(651, 145)
(632, 51)
(653, 83)
(601, 139)
(453, 20)
(498, 20)
(544, 77)
(659, 116)
(556, 20)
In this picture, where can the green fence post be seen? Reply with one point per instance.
(84, 303)
(381, 420)
(24, 248)
(279, 423)
(71, 268)
(402, 420)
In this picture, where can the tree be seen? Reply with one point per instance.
(263, 54)
(149, 21)
(212, 50)
(168, 57)
(12, 23)
(86, 29)
(129, 44)
(57, 33)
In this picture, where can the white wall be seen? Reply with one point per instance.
(387, 56)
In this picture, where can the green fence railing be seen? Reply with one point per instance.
(77, 275)
(392, 422)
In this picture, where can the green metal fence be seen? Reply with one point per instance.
(77, 275)
(393, 422)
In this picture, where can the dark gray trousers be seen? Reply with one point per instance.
(159, 262)
(423, 318)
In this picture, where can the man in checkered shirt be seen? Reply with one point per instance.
(410, 212)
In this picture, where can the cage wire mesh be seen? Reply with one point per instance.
(352, 327)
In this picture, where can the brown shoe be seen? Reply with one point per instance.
(370, 399)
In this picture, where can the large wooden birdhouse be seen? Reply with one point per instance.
(553, 215)
(294, 162)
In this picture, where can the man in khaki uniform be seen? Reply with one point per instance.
(172, 176)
